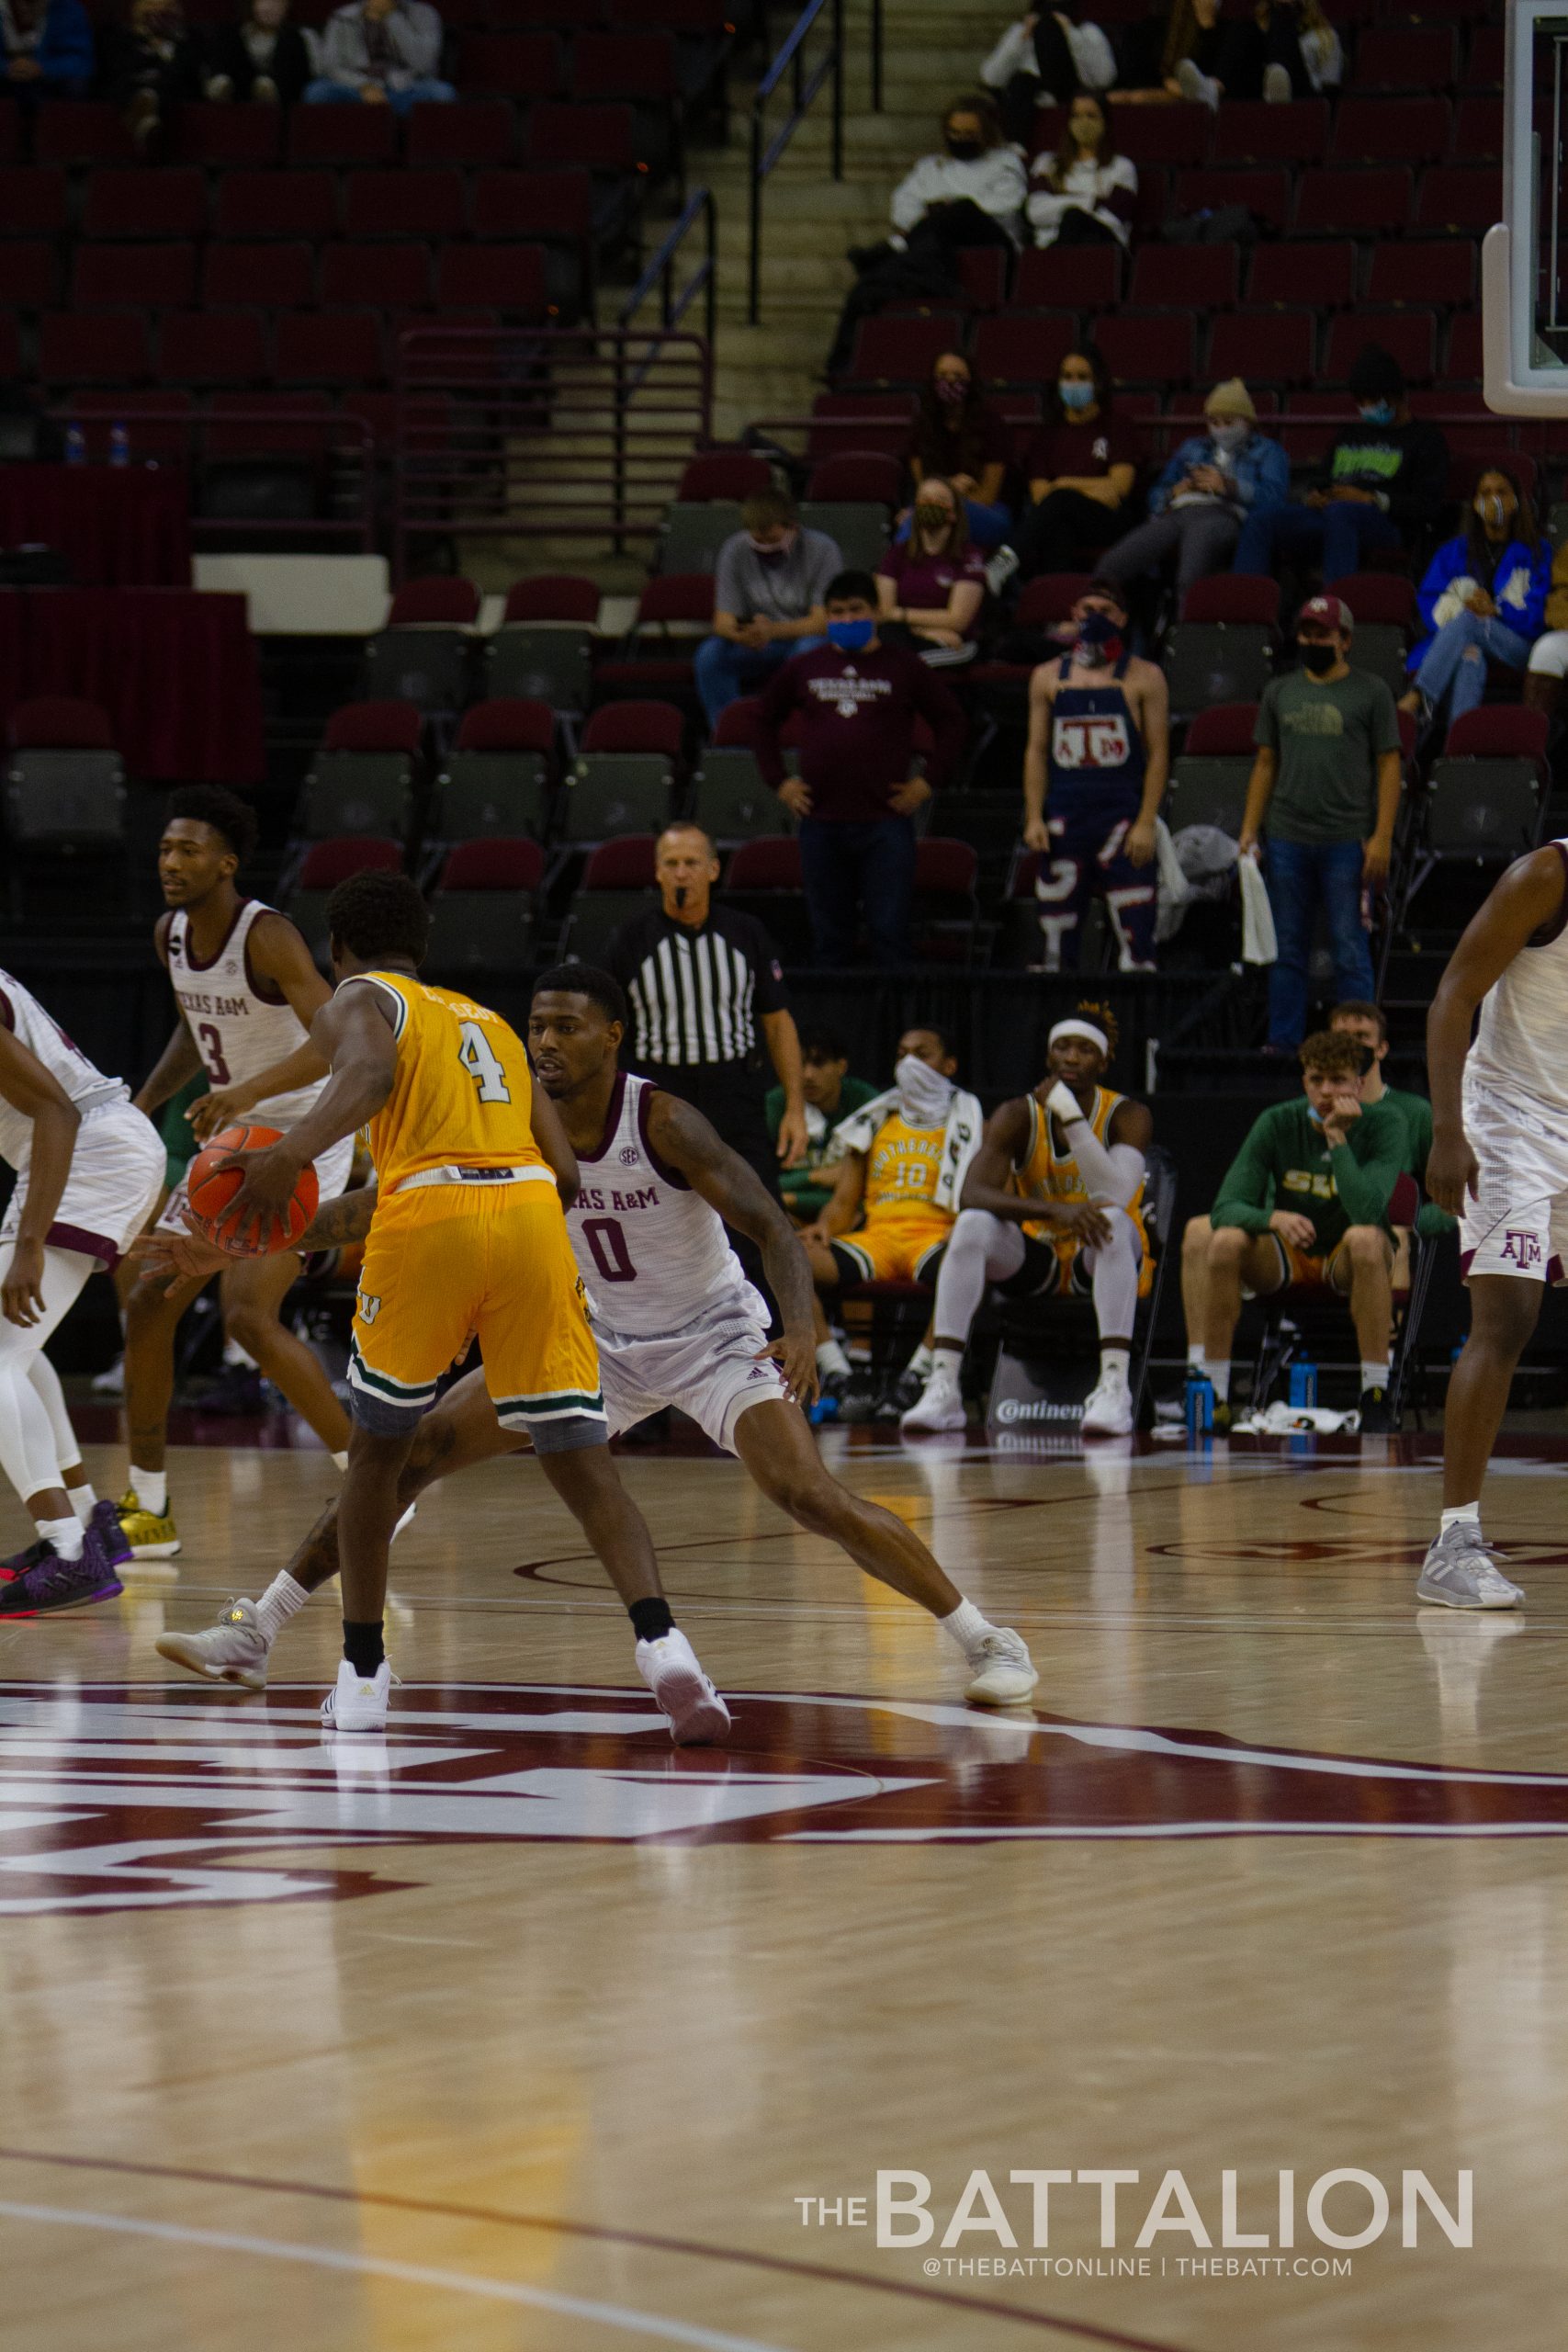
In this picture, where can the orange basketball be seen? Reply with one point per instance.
(211, 1187)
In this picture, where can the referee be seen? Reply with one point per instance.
(706, 994)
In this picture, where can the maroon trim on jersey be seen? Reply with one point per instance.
(1554, 930)
(611, 1120)
(268, 991)
(91, 1245)
(660, 1167)
(188, 955)
(8, 1017)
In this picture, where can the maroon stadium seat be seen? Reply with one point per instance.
(1183, 278)
(723, 473)
(1483, 67)
(637, 726)
(500, 277)
(1463, 202)
(857, 475)
(1321, 275)
(441, 601)
(475, 131)
(1465, 347)
(1265, 194)
(275, 277)
(388, 726)
(1222, 732)
(1147, 348)
(10, 346)
(193, 348)
(560, 596)
(1498, 731)
(277, 204)
(145, 204)
(770, 865)
(326, 864)
(344, 348)
(344, 136)
(891, 350)
(29, 273)
(1465, 468)
(391, 276)
(1427, 270)
(983, 270)
(1406, 58)
(493, 863)
(1478, 130)
(1265, 348)
(1233, 596)
(111, 348)
(736, 727)
(508, 723)
(1249, 130)
(117, 277)
(1017, 349)
(625, 863)
(517, 65)
(59, 723)
(1068, 277)
(81, 132)
(1177, 136)
(1410, 335)
(1049, 597)
(226, 137)
(1390, 131)
(10, 131)
(99, 411)
(32, 203)
(403, 204)
(637, 65)
(1352, 203)
(1379, 599)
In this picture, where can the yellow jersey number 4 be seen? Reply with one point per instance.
(483, 1065)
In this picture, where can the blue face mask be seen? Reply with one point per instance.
(851, 636)
(1377, 412)
(1074, 395)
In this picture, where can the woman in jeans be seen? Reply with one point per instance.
(1483, 599)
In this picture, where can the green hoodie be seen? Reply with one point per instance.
(1286, 1164)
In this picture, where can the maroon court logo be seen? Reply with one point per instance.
(130, 1796)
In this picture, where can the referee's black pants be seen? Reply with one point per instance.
(731, 1097)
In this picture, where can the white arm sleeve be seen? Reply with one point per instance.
(1112, 1175)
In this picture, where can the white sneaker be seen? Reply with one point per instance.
(940, 1405)
(1005, 1673)
(1108, 1409)
(1277, 90)
(1201, 88)
(356, 1704)
(234, 1650)
(111, 1383)
(406, 1520)
(1001, 569)
(671, 1669)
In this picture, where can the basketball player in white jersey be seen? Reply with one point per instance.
(676, 1323)
(1499, 1162)
(247, 991)
(88, 1169)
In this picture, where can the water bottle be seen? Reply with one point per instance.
(1303, 1383)
(1200, 1403)
(75, 446)
(119, 445)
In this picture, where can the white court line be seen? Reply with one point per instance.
(412, 2274)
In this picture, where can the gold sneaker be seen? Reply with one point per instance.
(148, 1538)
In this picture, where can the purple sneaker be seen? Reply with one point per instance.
(53, 1583)
(20, 1561)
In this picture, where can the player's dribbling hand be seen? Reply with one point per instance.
(1292, 1226)
(21, 1292)
(795, 1355)
(176, 1257)
(270, 1179)
(1452, 1173)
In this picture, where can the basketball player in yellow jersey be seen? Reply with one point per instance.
(468, 1241)
(1052, 1203)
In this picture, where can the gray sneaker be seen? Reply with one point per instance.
(234, 1650)
(1460, 1571)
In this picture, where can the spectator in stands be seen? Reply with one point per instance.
(46, 49)
(1385, 479)
(960, 435)
(151, 64)
(1151, 51)
(1327, 777)
(1045, 59)
(381, 52)
(832, 1096)
(854, 703)
(261, 57)
(1280, 50)
(898, 1172)
(1212, 483)
(1484, 598)
(1368, 1024)
(932, 585)
(1549, 655)
(767, 589)
(1084, 194)
(1082, 466)
(1304, 1204)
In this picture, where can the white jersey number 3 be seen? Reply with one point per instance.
(477, 1058)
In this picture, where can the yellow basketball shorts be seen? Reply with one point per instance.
(449, 1264)
(902, 1247)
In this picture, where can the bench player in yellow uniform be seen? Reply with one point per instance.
(468, 1239)
(1053, 1204)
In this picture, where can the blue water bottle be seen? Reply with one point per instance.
(119, 445)
(75, 446)
(1200, 1403)
(1303, 1383)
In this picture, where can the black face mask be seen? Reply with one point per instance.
(964, 151)
(1318, 658)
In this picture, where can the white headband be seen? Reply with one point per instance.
(1076, 1028)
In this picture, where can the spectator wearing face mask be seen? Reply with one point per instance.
(1280, 50)
(961, 438)
(1084, 194)
(1046, 59)
(852, 706)
(1082, 466)
(46, 49)
(768, 589)
(1482, 599)
(1326, 780)
(260, 58)
(932, 585)
(1209, 487)
(1384, 482)
(1094, 775)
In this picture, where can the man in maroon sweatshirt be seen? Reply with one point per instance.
(855, 702)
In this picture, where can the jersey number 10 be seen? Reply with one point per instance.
(479, 1058)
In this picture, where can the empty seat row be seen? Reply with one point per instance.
(202, 347)
(1362, 128)
(275, 275)
(317, 205)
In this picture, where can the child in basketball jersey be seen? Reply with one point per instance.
(1094, 775)
(1053, 1204)
(677, 1323)
(88, 1169)
(247, 991)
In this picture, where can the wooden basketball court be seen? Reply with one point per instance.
(524, 2030)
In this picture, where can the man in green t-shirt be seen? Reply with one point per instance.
(831, 1096)
(1305, 1203)
(1367, 1022)
(1327, 776)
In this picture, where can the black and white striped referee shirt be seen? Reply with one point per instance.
(697, 990)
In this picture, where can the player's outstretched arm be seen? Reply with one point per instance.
(178, 1256)
(683, 1137)
(353, 1033)
(1527, 898)
(551, 1138)
(278, 953)
(39, 1096)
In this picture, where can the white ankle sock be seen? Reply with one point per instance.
(150, 1488)
(1374, 1374)
(920, 1362)
(82, 1502)
(341, 1460)
(282, 1600)
(967, 1625)
(830, 1358)
(65, 1534)
(1462, 1514)
(1220, 1375)
(1113, 1365)
(1196, 1358)
(946, 1362)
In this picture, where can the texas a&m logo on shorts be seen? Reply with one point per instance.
(1522, 1249)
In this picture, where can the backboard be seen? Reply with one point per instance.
(1524, 259)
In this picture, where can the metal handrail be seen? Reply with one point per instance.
(672, 308)
(876, 55)
(805, 87)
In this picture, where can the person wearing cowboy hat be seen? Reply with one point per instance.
(1212, 483)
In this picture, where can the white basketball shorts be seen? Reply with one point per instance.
(1519, 1223)
(713, 1371)
(117, 1172)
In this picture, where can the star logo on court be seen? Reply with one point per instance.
(137, 1797)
